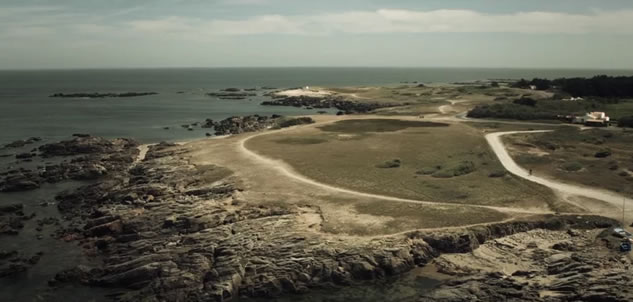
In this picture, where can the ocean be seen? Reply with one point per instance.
(26, 110)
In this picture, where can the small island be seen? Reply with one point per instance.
(99, 95)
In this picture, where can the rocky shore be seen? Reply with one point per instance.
(251, 123)
(339, 103)
(89, 158)
(172, 231)
(99, 95)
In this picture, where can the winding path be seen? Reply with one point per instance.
(495, 142)
(286, 170)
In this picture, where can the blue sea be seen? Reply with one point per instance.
(26, 110)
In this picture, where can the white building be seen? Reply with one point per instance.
(593, 118)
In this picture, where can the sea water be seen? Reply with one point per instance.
(26, 110)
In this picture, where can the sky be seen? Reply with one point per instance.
(68, 34)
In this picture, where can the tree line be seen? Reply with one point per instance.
(598, 86)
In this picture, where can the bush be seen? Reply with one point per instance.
(497, 174)
(389, 164)
(603, 153)
(428, 170)
(572, 166)
(626, 122)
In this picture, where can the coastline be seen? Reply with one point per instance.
(199, 211)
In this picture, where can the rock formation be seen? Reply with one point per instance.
(99, 95)
(328, 102)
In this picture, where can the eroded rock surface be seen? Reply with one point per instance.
(172, 231)
(537, 265)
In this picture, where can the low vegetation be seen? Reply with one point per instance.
(572, 166)
(626, 122)
(529, 109)
(389, 164)
(289, 122)
(380, 217)
(455, 169)
(595, 157)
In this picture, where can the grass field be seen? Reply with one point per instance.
(622, 109)
(416, 160)
(596, 157)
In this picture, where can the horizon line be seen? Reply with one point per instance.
(307, 66)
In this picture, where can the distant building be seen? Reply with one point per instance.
(593, 119)
(532, 87)
(573, 99)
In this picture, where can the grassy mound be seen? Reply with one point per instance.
(301, 140)
(376, 125)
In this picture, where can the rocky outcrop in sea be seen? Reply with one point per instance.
(82, 158)
(100, 95)
(251, 123)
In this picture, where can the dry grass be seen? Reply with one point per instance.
(501, 127)
(349, 157)
(378, 217)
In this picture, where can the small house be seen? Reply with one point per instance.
(595, 118)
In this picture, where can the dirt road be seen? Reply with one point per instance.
(495, 142)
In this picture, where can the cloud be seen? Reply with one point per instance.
(63, 24)
(401, 21)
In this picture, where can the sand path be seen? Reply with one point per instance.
(495, 142)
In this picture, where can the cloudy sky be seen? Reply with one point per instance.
(222, 33)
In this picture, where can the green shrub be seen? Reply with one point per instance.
(389, 164)
(572, 166)
(428, 170)
(603, 153)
